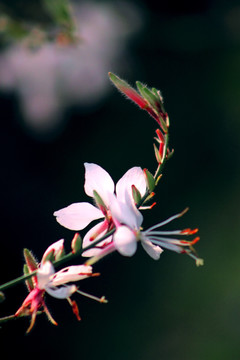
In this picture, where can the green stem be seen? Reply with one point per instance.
(157, 173)
(65, 258)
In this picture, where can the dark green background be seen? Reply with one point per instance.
(167, 310)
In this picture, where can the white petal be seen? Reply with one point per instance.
(98, 179)
(153, 250)
(125, 241)
(92, 252)
(78, 215)
(62, 292)
(86, 240)
(57, 247)
(134, 176)
(44, 273)
(125, 213)
(138, 218)
(70, 273)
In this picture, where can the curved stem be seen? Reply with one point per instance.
(157, 172)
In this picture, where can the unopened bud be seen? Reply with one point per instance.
(149, 180)
(76, 243)
(136, 194)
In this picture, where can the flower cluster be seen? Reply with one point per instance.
(118, 212)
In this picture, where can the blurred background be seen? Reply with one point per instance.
(59, 110)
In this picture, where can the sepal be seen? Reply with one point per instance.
(31, 261)
(29, 282)
(99, 202)
(30, 266)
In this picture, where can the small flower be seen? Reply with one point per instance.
(100, 186)
(47, 281)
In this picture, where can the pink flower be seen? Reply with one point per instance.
(47, 281)
(99, 183)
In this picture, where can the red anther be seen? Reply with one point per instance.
(189, 243)
(94, 274)
(189, 231)
(195, 240)
(153, 204)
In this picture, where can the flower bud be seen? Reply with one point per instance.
(76, 243)
(149, 180)
(136, 194)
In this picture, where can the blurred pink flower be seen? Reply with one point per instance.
(53, 77)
